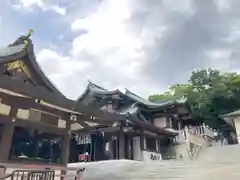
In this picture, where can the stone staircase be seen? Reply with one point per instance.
(214, 163)
(220, 154)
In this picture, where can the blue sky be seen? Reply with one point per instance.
(142, 45)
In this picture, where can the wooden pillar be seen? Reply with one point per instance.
(142, 143)
(121, 144)
(128, 147)
(157, 144)
(66, 144)
(65, 147)
(93, 144)
(6, 140)
(179, 124)
(142, 140)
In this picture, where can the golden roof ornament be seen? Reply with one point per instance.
(30, 32)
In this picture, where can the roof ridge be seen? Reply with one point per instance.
(95, 85)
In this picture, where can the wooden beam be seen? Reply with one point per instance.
(82, 123)
(89, 119)
(33, 125)
(109, 129)
(93, 128)
(29, 103)
(20, 87)
(150, 127)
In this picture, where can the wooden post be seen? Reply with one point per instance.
(157, 145)
(142, 143)
(66, 146)
(121, 144)
(179, 124)
(6, 140)
(142, 140)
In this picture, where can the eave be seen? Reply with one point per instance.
(152, 106)
(21, 51)
(24, 89)
(98, 91)
(231, 115)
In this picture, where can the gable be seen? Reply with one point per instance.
(19, 70)
(18, 61)
(18, 66)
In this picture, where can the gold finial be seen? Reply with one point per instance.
(25, 42)
(28, 36)
(30, 32)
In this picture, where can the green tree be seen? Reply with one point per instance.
(175, 91)
(209, 93)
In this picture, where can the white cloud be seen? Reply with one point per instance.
(29, 4)
(58, 9)
(57, 65)
(223, 5)
(219, 59)
(123, 37)
(108, 54)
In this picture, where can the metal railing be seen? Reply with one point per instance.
(30, 175)
(43, 174)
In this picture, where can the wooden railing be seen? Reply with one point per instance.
(196, 138)
(202, 130)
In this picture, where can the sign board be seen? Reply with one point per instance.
(151, 156)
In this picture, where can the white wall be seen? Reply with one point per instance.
(137, 149)
(146, 156)
(160, 122)
(237, 125)
(109, 146)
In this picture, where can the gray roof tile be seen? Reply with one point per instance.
(8, 51)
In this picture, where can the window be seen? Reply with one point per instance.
(168, 122)
(33, 145)
(151, 144)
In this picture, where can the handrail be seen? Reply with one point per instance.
(21, 173)
(7, 176)
(2, 167)
(36, 171)
(202, 130)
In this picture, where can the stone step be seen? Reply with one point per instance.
(220, 154)
(214, 163)
(165, 170)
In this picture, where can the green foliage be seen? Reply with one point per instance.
(209, 93)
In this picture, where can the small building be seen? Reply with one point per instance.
(233, 119)
(147, 133)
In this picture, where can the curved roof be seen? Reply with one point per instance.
(22, 48)
(98, 90)
(132, 109)
(93, 89)
(151, 104)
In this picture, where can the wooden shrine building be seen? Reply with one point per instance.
(149, 127)
(36, 119)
